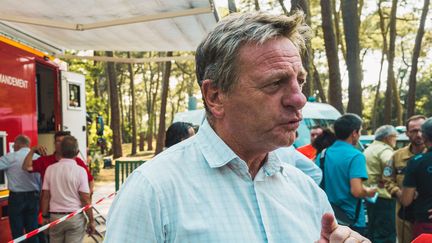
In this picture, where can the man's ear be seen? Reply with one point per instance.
(212, 96)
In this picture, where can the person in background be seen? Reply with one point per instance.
(418, 180)
(41, 164)
(225, 184)
(177, 132)
(345, 171)
(308, 150)
(24, 190)
(325, 140)
(381, 214)
(393, 182)
(65, 190)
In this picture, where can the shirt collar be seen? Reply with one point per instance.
(215, 150)
(67, 160)
(217, 153)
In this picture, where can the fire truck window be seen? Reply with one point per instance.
(74, 95)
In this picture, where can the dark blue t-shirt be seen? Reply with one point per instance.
(344, 162)
(418, 174)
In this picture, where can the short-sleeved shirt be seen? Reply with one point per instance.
(418, 175)
(199, 190)
(344, 162)
(293, 157)
(65, 179)
(41, 164)
(378, 160)
(19, 180)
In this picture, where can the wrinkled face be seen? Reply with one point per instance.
(57, 143)
(264, 107)
(414, 132)
(315, 133)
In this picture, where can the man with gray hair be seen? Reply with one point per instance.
(24, 190)
(225, 184)
(381, 214)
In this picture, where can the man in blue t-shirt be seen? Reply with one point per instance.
(345, 170)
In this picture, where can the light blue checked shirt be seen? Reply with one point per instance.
(201, 191)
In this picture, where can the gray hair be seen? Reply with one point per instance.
(69, 147)
(384, 131)
(22, 140)
(217, 54)
(426, 129)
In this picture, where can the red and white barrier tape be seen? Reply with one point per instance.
(37, 231)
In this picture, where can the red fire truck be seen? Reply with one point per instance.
(37, 99)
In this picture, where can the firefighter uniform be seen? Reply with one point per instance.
(393, 175)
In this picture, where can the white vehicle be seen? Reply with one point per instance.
(313, 114)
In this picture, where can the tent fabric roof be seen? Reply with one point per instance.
(117, 25)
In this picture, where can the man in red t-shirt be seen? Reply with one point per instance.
(41, 164)
(308, 150)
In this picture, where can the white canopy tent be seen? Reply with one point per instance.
(115, 25)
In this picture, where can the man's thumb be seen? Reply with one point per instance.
(328, 225)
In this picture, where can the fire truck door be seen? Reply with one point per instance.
(74, 108)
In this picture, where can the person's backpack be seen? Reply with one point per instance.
(341, 216)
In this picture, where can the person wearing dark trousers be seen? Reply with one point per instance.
(24, 190)
(381, 214)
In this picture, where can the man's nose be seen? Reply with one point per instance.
(294, 97)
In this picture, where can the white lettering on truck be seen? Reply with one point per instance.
(13, 81)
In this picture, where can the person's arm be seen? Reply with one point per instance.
(28, 160)
(45, 206)
(86, 200)
(5, 162)
(390, 183)
(358, 190)
(407, 196)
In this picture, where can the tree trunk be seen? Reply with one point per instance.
(133, 110)
(257, 6)
(307, 57)
(232, 6)
(115, 109)
(351, 22)
(390, 73)
(339, 41)
(416, 53)
(335, 87)
(164, 96)
(377, 91)
(318, 84)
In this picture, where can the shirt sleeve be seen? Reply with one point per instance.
(410, 178)
(5, 161)
(385, 157)
(390, 178)
(307, 166)
(136, 214)
(358, 168)
(83, 182)
(46, 181)
(82, 164)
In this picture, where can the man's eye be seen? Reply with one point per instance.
(301, 81)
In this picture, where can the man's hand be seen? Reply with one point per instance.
(91, 229)
(40, 149)
(45, 221)
(371, 191)
(331, 232)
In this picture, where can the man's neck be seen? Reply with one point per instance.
(416, 149)
(254, 159)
